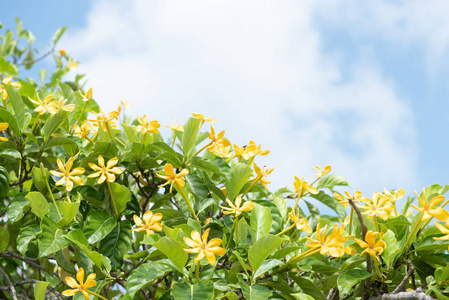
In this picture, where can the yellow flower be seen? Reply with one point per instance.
(222, 149)
(300, 185)
(203, 118)
(332, 245)
(216, 140)
(70, 107)
(105, 172)
(321, 172)
(8, 80)
(301, 224)
(395, 195)
(72, 64)
(378, 207)
(175, 126)
(84, 130)
(343, 199)
(87, 96)
(172, 177)
(443, 230)
(82, 286)
(45, 105)
(3, 126)
(200, 245)
(67, 175)
(150, 222)
(125, 104)
(103, 120)
(62, 52)
(252, 150)
(429, 210)
(145, 127)
(261, 173)
(371, 246)
(237, 209)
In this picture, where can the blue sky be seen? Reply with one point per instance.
(359, 86)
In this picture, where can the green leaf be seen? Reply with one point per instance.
(17, 105)
(16, 207)
(330, 181)
(69, 145)
(7, 68)
(392, 248)
(201, 290)
(40, 289)
(122, 195)
(67, 93)
(199, 163)
(7, 117)
(308, 287)
(144, 275)
(26, 235)
(69, 211)
(53, 123)
(38, 203)
(261, 220)
(429, 244)
(174, 251)
(98, 224)
(40, 182)
(77, 237)
(117, 243)
(191, 128)
(4, 238)
(262, 249)
(240, 174)
(350, 278)
(52, 238)
(57, 35)
(266, 266)
(254, 292)
(302, 296)
(331, 203)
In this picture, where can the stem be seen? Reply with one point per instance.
(4, 102)
(53, 198)
(236, 221)
(350, 220)
(297, 199)
(256, 180)
(286, 229)
(174, 139)
(143, 139)
(412, 233)
(229, 159)
(300, 257)
(197, 276)
(79, 118)
(376, 265)
(250, 161)
(32, 128)
(109, 131)
(187, 200)
(198, 152)
(375, 223)
(96, 295)
(112, 198)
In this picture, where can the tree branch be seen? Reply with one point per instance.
(404, 281)
(417, 294)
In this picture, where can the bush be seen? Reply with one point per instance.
(93, 207)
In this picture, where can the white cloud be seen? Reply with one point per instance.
(258, 68)
(403, 23)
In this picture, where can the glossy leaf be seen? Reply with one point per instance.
(39, 205)
(261, 220)
(144, 275)
(262, 249)
(201, 290)
(98, 224)
(174, 251)
(240, 174)
(52, 238)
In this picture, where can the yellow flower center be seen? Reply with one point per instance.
(203, 246)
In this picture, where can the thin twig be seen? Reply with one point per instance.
(404, 281)
(10, 285)
(369, 266)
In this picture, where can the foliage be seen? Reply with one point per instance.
(94, 207)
